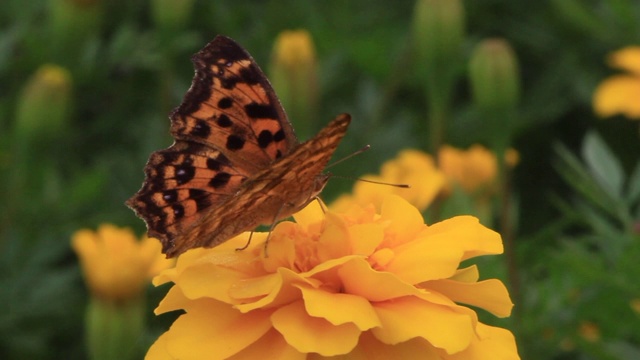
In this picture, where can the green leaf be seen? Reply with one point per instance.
(582, 181)
(633, 190)
(603, 165)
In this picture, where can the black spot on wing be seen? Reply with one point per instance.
(184, 173)
(260, 111)
(265, 138)
(278, 136)
(224, 121)
(234, 142)
(221, 179)
(225, 103)
(201, 129)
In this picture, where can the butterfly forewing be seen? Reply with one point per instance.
(232, 107)
(236, 162)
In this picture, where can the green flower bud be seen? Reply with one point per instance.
(438, 32)
(438, 29)
(493, 69)
(73, 23)
(171, 14)
(44, 105)
(293, 72)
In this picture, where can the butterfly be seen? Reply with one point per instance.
(235, 163)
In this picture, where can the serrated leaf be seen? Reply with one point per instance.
(603, 165)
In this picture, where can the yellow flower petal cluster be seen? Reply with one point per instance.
(411, 167)
(365, 284)
(115, 264)
(474, 170)
(620, 94)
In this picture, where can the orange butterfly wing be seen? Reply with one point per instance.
(236, 162)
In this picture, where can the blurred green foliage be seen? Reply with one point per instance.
(577, 187)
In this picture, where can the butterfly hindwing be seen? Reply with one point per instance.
(182, 182)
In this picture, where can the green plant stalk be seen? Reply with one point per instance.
(113, 329)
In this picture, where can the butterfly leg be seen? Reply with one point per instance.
(247, 244)
(273, 225)
(322, 205)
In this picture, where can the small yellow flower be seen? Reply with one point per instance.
(589, 331)
(620, 94)
(474, 170)
(635, 305)
(115, 264)
(411, 167)
(365, 284)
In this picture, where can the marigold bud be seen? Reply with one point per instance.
(293, 73)
(439, 32)
(43, 106)
(494, 75)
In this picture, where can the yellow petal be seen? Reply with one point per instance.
(311, 214)
(469, 274)
(276, 289)
(470, 235)
(493, 343)
(334, 241)
(174, 300)
(338, 308)
(269, 346)
(490, 295)
(358, 278)
(311, 334)
(409, 317)
(213, 330)
(371, 348)
(618, 95)
(427, 258)
(209, 280)
(365, 238)
(627, 58)
(443, 246)
(405, 219)
(158, 351)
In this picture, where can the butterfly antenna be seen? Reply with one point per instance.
(357, 152)
(402, 186)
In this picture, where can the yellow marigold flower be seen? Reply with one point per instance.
(412, 167)
(619, 94)
(115, 264)
(474, 170)
(362, 284)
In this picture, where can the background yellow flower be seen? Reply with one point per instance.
(411, 167)
(115, 264)
(620, 94)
